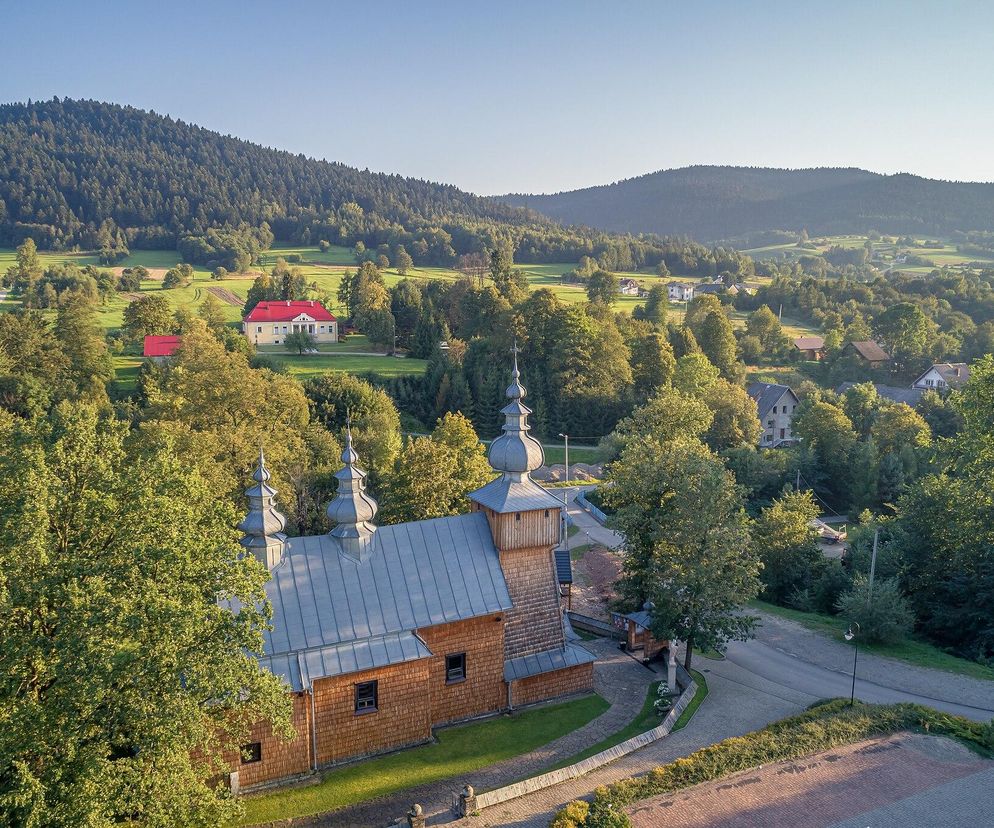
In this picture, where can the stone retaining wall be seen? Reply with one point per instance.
(547, 780)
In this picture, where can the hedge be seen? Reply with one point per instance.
(824, 726)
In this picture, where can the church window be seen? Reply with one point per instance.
(455, 668)
(251, 753)
(366, 697)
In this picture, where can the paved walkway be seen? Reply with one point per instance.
(738, 702)
(618, 678)
(902, 780)
(590, 530)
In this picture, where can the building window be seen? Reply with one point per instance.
(770, 423)
(276, 329)
(546, 512)
(258, 329)
(365, 697)
(251, 753)
(455, 668)
(517, 517)
(783, 432)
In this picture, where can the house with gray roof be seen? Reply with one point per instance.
(943, 376)
(775, 405)
(908, 396)
(381, 633)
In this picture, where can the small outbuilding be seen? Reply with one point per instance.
(637, 627)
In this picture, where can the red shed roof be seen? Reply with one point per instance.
(160, 346)
(285, 311)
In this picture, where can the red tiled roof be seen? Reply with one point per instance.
(161, 346)
(285, 311)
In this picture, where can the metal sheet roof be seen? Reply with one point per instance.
(505, 495)
(419, 574)
(301, 669)
(545, 662)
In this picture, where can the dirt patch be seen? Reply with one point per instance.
(131, 297)
(595, 569)
(226, 296)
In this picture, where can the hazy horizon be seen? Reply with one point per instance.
(526, 99)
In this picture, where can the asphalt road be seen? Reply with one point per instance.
(794, 673)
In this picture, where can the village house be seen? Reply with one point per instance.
(775, 405)
(713, 288)
(812, 348)
(869, 352)
(158, 348)
(628, 287)
(637, 627)
(269, 323)
(382, 633)
(943, 376)
(680, 291)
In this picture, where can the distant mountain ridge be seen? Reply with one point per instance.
(712, 202)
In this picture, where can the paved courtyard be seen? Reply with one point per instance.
(905, 780)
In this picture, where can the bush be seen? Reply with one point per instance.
(294, 258)
(324, 245)
(573, 815)
(821, 727)
(885, 619)
(828, 586)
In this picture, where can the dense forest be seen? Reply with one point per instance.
(717, 203)
(109, 177)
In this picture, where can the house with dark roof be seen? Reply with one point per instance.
(381, 633)
(628, 287)
(943, 376)
(269, 323)
(869, 352)
(812, 348)
(775, 405)
(714, 288)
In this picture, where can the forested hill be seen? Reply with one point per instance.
(709, 203)
(67, 167)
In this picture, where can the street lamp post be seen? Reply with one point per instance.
(566, 438)
(850, 635)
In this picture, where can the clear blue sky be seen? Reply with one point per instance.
(538, 96)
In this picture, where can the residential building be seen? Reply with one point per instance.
(775, 406)
(943, 376)
(812, 348)
(629, 287)
(714, 288)
(382, 633)
(680, 291)
(908, 396)
(869, 352)
(161, 347)
(269, 323)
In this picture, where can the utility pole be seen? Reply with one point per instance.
(566, 439)
(780, 313)
(797, 485)
(873, 566)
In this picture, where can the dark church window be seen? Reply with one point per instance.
(455, 667)
(251, 753)
(365, 697)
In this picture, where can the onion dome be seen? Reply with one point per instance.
(352, 509)
(515, 452)
(263, 525)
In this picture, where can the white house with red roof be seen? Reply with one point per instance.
(269, 323)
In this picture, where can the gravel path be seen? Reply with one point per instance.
(618, 678)
(797, 641)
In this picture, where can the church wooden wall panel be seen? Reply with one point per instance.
(483, 690)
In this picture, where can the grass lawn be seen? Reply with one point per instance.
(313, 365)
(458, 751)
(577, 454)
(699, 696)
(126, 369)
(912, 651)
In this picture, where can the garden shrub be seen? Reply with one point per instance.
(574, 815)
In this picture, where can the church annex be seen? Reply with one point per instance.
(382, 633)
